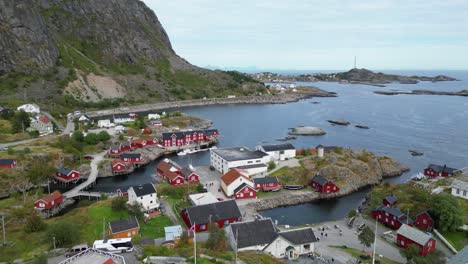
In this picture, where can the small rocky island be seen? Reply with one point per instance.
(349, 169)
(357, 76)
(307, 131)
(424, 92)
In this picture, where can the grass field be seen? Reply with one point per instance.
(458, 239)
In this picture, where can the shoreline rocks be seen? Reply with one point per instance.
(307, 131)
(340, 122)
(423, 92)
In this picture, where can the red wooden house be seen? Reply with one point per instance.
(424, 221)
(114, 151)
(391, 217)
(150, 141)
(166, 166)
(199, 217)
(146, 131)
(267, 184)
(434, 170)
(190, 176)
(245, 191)
(7, 163)
(138, 143)
(67, 175)
(174, 178)
(119, 166)
(132, 158)
(126, 146)
(50, 201)
(390, 200)
(407, 235)
(322, 185)
(172, 139)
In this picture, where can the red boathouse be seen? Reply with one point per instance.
(407, 235)
(50, 201)
(67, 175)
(267, 184)
(434, 170)
(391, 217)
(424, 221)
(322, 185)
(390, 200)
(201, 216)
(7, 163)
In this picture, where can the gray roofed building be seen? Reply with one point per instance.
(253, 166)
(186, 172)
(203, 214)
(461, 185)
(278, 147)
(144, 189)
(319, 179)
(391, 199)
(130, 155)
(253, 233)
(442, 169)
(123, 225)
(92, 255)
(64, 171)
(401, 217)
(265, 180)
(414, 234)
(239, 153)
(299, 236)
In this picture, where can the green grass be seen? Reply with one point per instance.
(355, 253)
(289, 175)
(458, 239)
(255, 257)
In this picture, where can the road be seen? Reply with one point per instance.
(65, 131)
(92, 176)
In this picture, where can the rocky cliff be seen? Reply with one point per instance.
(97, 49)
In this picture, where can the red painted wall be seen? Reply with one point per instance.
(424, 249)
(246, 193)
(424, 222)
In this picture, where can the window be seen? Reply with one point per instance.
(151, 201)
(424, 221)
(203, 227)
(464, 193)
(141, 198)
(249, 162)
(402, 242)
(458, 191)
(430, 243)
(128, 234)
(307, 247)
(393, 223)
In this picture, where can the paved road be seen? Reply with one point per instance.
(92, 176)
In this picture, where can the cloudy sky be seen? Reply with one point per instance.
(318, 35)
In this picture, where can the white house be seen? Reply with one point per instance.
(278, 151)
(104, 123)
(153, 116)
(227, 158)
(292, 243)
(29, 108)
(460, 189)
(232, 180)
(145, 195)
(124, 118)
(251, 235)
(83, 118)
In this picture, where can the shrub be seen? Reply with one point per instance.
(352, 213)
(119, 203)
(65, 233)
(34, 223)
(271, 166)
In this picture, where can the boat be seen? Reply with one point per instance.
(362, 127)
(183, 152)
(293, 187)
(415, 153)
(351, 222)
(418, 176)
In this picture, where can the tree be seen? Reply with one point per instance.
(200, 188)
(78, 136)
(447, 212)
(352, 213)
(34, 223)
(40, 171)
(366, 237)
(91, 139)
(65, 233)
(103, 136)
(271, 166)
(20, 121)
(217, 238)
(136, 210)
(119, 203)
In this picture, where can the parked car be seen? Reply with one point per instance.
(220, 199)
(88, 157)
(76, 249)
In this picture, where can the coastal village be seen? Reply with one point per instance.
(181, 206)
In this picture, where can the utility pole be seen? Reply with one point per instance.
(53, 238)
(236, 247)
(375, 242)
(3, 229)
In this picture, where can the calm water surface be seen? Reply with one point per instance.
(435, 125)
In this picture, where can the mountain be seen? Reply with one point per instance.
(66, 51)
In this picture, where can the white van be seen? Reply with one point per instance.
(118, 245)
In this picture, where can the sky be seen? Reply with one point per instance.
(318, 35)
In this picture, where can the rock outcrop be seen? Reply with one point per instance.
(307, 131)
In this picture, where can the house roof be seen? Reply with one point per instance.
(130, 155)
(170, 175)
(186, 172)
(239, 153)
(414, 234)
(124, 224)
(203, 198)
(265, 180)
(126, 143)
(168, 135)
(299, 236)
(278, 147)
(109, 261)
(391, 198)
(439, 168)
(65, 171)
(116, 161)
(253, 166)
(117, 148)
(462, 185)
(320, 179)
(402, 218)
(424, 212)
(200, 214)
(44, 120)
(254, 233)
(233, 174)
(7, 161)
(52, 197)
(144, 189)
(240, 187)
(460, 258)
